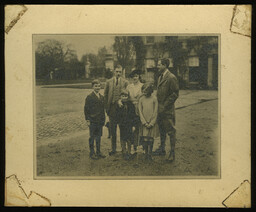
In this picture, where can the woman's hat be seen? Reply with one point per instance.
(135, 71)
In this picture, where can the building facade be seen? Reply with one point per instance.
(193, 59)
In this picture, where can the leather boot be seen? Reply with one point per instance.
(161, 149)
(171, 156)
(123, 146)
(98, 153)
(91, 146)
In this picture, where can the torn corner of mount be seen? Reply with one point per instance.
(16, 196)
(241, 20)
(240, 197)
(13, 14)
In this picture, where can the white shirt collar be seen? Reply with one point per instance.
(165, 72)
(97, 94)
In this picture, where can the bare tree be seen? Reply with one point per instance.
(125, 52)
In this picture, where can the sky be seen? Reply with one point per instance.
(83, 44)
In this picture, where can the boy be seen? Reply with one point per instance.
(95, 118)
(127, 121)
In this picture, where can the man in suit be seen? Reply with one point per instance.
(167, 94)
(112, 93)
(95, 118)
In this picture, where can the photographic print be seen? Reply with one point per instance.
(127, 106)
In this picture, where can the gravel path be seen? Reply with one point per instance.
(60, 110)
(62, 139)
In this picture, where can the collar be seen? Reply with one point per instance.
(165, 72)
(97, 94)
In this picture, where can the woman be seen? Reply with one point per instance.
(135, 93)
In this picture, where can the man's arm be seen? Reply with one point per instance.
(174, 88)
(87, 108)
(106, 91)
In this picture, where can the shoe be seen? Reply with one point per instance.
(159, 152)
(94, 157)
(150, 158)
(146, 157)
(127, 157)
(100, 155)
(112, 153)
(171, 157)
(132, 156)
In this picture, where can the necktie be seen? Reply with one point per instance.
(161, 77)
(116, 81)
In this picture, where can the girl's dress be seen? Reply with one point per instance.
(148, 107)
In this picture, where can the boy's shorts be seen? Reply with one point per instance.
(125, 133)
(95, 129)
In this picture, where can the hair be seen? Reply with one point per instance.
(166, 62)
(149, 87)
(118, 66)
(132, 74)
(96, 81)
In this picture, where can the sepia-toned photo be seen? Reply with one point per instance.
(128, 105)
(136, 106)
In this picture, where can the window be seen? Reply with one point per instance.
(150, 63)
(193, 61)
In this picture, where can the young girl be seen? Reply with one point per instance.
(148, 107)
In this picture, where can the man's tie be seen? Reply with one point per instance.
(161, 77)
(116, 81)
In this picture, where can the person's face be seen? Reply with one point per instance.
(160, 66)
(96, 88)
(146, 92)
(135, 78)
(124, 97)
(118, 72)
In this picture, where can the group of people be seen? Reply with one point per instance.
(140, 115)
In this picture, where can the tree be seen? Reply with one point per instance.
(54, 56)
(101, 56)
(158, 51)
(140, 50)
(97, 62)
(125, 52)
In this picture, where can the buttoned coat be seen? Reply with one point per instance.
(94, 109)
(167, 94)
(109, 90)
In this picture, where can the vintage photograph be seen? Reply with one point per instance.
(110, 106)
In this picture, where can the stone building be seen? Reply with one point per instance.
(196, 64)
(193, 59)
